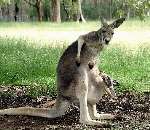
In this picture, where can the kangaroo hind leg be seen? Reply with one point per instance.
(82, 96)
(95, 115)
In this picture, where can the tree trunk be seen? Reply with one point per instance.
(66, 11)
(110, 9)
(7, 13)
(128, 14)
(1, 16)
(56, 11)
(80, 15)
(16, 12)
(39, 10)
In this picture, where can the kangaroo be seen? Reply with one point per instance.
(76, 82)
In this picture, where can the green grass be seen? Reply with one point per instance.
(130, 67)
(21, 63)
(24, 63)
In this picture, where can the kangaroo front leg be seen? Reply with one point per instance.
(95, 115)
(80, 44)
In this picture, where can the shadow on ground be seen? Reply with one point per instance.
(133, 107)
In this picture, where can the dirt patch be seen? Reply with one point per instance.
(134, 108)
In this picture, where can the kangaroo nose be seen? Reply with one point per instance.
(107, 40)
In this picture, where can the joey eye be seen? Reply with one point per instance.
(112, 33)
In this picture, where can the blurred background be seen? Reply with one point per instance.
(72, 10)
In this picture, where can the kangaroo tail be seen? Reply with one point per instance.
(41, 112)
(30, 111)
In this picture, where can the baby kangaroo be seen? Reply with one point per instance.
(76, 82)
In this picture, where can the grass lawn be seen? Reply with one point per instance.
(24, 62)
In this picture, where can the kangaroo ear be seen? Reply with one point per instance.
(103, 21)
(117, 23)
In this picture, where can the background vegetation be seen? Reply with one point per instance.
(72, 10)
(34, 34)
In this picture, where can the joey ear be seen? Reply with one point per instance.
(117, 23)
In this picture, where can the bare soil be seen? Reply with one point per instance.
(132, 108)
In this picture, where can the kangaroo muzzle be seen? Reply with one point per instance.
(107, 40)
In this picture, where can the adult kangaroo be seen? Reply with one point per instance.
(77, 82)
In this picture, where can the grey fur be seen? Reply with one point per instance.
(78, 83)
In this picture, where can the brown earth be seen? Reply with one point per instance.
(134, 108)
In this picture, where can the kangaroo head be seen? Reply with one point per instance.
(106, 32)
(101, 37)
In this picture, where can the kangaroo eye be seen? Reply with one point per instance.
(112, 33)
(103, 31)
